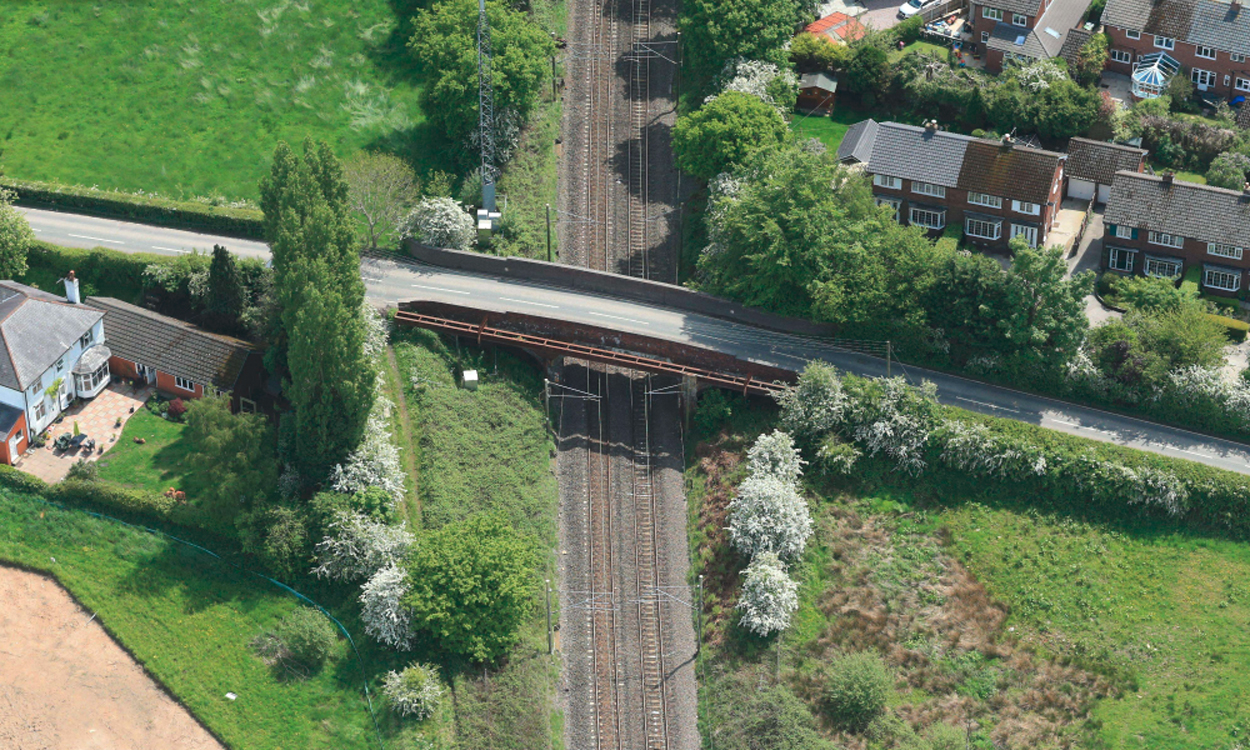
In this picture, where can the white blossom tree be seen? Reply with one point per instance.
(417, 691)
(895, 421)
(971, 448)
(382, 610)
(440, 222)
(377, 331)
(763, 80)
(769, 596)
(357, 547)
(375, 461)
(816, 405)
(774, 454)
(769, 515)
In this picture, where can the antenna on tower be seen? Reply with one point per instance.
(487, 215)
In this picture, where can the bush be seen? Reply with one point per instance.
(909, 31)
(16, 479)
(113, 496)
(417, 691)
(85, 470)
(177, 408)
(278, 535)
(855, 690)
(769, 515)
(1236, 329)
(300, 643)
(149, 209)
(714, 409)
(769, 596)
(773, 719)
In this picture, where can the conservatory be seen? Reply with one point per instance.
(1152, 73)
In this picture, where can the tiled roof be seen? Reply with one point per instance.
(1017, 40)
(838, 27)
(1098, 161)
(171, 345)
(37, 329)
(822, 81)
(1046, 38)
(1243, 116)
(8, 417)
(1187, 209)
(1211, 23)
(952, 160)
(1072, 45)
(1023, 7)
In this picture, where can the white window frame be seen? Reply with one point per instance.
(1227, 79)
(985, 37)
(87, 338)
(60, 364)
(1024, 207)
(995, 228)
(1019, 20)
(1243, 84)
(1234, 276)
(940, 214)
(1029, 232)
(1197, 74)
(184, 383)
(993, 14)
(87, 383)
(1121, 56)
(1165, 42)
(39, 410)
(1116, 256)
(895, 203)
(1132, 34)
(984, 199)
(247, 405)
(886, 181)
(1122, 232)
(34, 389)
(1152, 268)
(1236, 57)
(928, 188)
(1199, 50)
(1163, 239)
(1231, 252)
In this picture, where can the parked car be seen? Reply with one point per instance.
(912, 7)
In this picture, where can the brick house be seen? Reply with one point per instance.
(1209, 38)
(992, 190)
(1023, 30)
(1092, 166)
(181, 359)
(1161, 226)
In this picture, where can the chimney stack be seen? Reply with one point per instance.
(1168, 177)
(931, 125)
(71, 289)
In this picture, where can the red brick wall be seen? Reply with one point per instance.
(1184, 53)
(1192, 252)
(21, 444)
(165, 383)
(122, 368)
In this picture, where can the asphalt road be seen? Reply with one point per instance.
(390, 281)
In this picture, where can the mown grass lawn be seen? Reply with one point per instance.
(831, 129)
(189, 97)
(156, 465)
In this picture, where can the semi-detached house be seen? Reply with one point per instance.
(1024, 30)
(1209, 38)
(1161, 226)
(992, 190)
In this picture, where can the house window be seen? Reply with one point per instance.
(87, 338)
(1165, 42)
(92, 380)
(1024, 207)
(40, 410)
(1237, 58)
(1216, 278)
(1224, 251)
(1202, 78)
(1124, 233)
(985, 37)
(1132, 34)
(1029, 233)
(1227, 80)
(184, 384)
(980, 228)
(1205, 52)
(928, 188)
(247, 405)
(886, 181)
(1121, 56)
(34, 389)
(1121, 259)
(1162, 268)
(923, 217)
(994, 14)
(1166, 240)
(1019, 20)
(60, 364)
(981, 199)
(1243, 84)
(893, 203)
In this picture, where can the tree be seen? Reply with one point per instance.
(224, 301)
(417, 691)
(1044, 313)
(868, 70)
(382, 608)
(909, 31)
(1228, 170)
(1091, 59)
(470, 586)
(381, 189)
(723, 133)
(769, 515)
(236, 450)
(856, 689)
(769, 596)
(318, 295)
(773, 719)
(1152, 294)
(717, 31)
(444, 42)
(774, 454)
(357, 547)
(811, 53)
(16, 237)
(1180, 91)
(440, 222)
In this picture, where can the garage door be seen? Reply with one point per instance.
(1104, 193)
(1080, 189)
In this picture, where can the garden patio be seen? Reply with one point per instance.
(100, 418)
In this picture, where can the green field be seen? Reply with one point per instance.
(1047, 629)
(188, 97)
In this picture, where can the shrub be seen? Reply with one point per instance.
(114, 496)
(84, 470)
(856, 687)
(440, 222)
(356, 547)
(909, 31)
(16, 479)
(278, 535)
(769, 515)
(772, 719)
(382, 611)
(1236, 329)
(714, 409)
(417, 691)
(177, 408)
(774, 454)
(300, 643)
(769, 596)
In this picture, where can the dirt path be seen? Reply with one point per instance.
(409, 452)
(66, 685)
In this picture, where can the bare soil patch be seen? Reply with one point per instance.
(66, 684)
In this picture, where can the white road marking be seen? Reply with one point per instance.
(97, 239)
(169, 249)
(991, 406)
(527, 302)
(439, 289)
(618, 317)
(1081, 426)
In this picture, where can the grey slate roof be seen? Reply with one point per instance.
(170, 345)
(1098, 161)
(1023, 7)
(1208, 214)
(37, 328)
(1004, 38)
(1061, 17)
(1211, 23)
(951, 160)
(822, 81)
(8, 417)
(1072, 45)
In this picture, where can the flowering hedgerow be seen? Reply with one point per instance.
(356, 547)
(769, 596)
(382, 611)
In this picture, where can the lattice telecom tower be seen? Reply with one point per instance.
(487, 215)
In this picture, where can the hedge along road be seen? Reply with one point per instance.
(390, 281)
